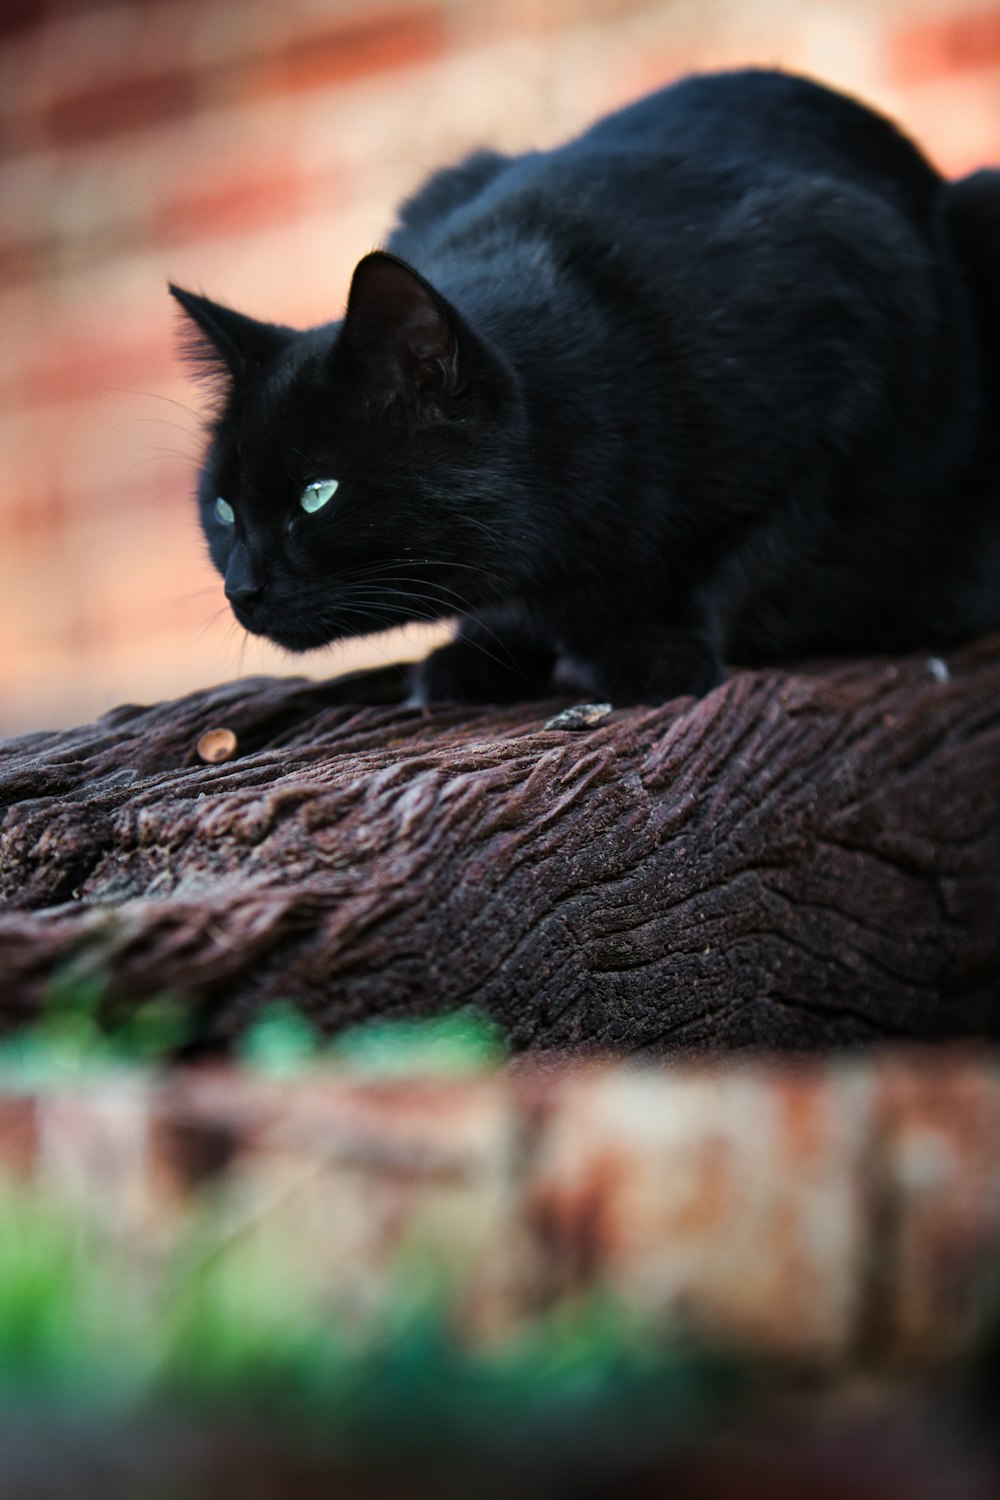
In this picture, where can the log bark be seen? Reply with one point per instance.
(807, 856)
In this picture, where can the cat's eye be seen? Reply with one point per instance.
(316, 495)
(224, 512)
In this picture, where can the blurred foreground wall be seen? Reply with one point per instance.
(255, 150)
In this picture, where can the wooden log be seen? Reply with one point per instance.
(805, 857)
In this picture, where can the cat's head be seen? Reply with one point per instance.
(358, 475)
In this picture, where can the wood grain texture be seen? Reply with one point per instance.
(805, 857)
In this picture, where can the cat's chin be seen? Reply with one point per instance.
(300, 638)
(292, 638)
(298, 641)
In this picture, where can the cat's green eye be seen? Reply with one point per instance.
(316, 495)
(224, 512)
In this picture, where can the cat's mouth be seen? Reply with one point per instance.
(258, 621)
(290, 636)
(310, 635)
(297, 640)
(298, 616)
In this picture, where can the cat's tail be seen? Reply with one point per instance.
(972, 205)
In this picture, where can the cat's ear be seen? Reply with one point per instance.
(399, 334)
(224, 342)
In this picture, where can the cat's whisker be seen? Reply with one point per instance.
(376, 607)
(381, 651)
(159, 457)
(187, 458)
(190, 411)
(462, 606)
(239, 637)
(192, 594)
(379, 605)
(407, 582)
(437, 562)
(347, 615)
(373, 617)
(489, 531)
(402, 593)
(154, 421)
(209, 624)
(448, 564)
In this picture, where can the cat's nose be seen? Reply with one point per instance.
(244, 581)
(243, 594)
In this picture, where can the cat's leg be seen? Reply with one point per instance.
(973, 208)
(497, 659)
(656, 665)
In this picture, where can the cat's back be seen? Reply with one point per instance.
(710, 138)
(696, 148)
(760, 115)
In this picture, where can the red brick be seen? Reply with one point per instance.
(31, 514)
(21, 260)
(956, 120)
(119, 107)
(643, 74)
(18, 1134)
(939, 1127)
(82, 367)
(351, 50)
(726, 1202)
(934, 48)
(17, 16)
(93, 1153)
(228, 205)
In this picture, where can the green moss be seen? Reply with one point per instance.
(282, 1040)
(79, 1031)
(218, 1326)
(461, 1042)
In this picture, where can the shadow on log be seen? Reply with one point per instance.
(805, 857)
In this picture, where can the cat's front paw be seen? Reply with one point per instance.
(468, 670)
(448, 676)
(684, 666)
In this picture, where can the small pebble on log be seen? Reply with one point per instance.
(583, 716)
(217, 745)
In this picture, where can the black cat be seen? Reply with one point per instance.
(719, 380)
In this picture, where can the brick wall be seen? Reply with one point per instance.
(254, 150)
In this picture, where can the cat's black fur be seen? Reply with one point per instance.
(719, 380)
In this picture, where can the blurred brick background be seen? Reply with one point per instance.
(254, 150)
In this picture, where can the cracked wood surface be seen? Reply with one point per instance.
(805, 857)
